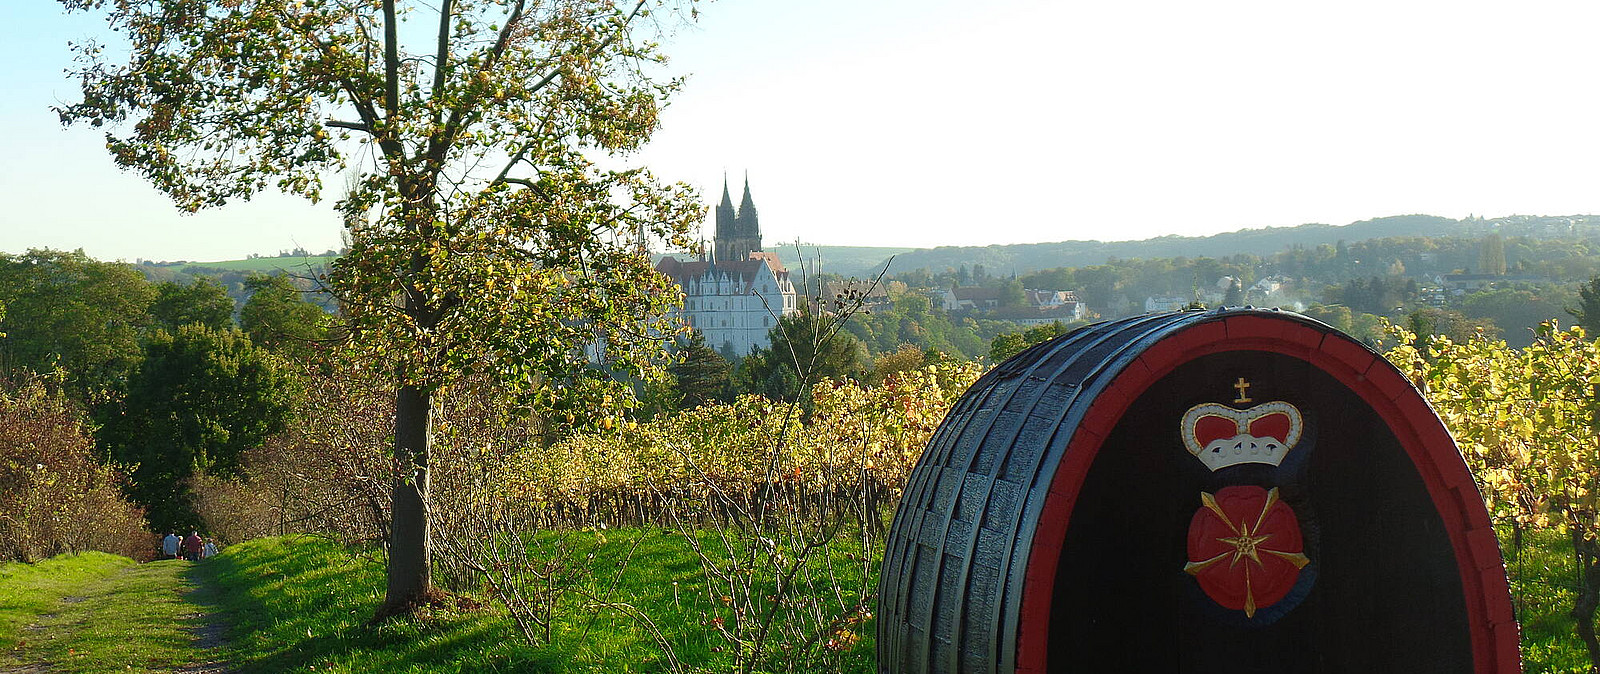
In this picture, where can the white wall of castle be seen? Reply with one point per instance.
(737, 315)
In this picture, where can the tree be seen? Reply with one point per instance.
(483, 237)
(1005, 345)
(1492, 255)
(70, 311)
(1008, 344)
(1235, 295)
(907, 358)
(198, 401)
(1012, 294)
(1429, 321)
(1517, 313)
(805, 347)
(278, 318)
(55, 494)
(1587, 312)
(204, 302)
(701, 375)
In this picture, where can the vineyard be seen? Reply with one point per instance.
(778, 509)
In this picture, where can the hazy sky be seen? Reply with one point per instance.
(933, 122)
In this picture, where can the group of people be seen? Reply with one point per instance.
(191, 547)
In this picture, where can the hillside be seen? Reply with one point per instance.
(844, 260)
(863, 261)
(1024, 258)
(295, 264)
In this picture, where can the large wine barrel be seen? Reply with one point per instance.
(1234, 490)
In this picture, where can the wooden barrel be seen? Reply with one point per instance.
(1234, 490)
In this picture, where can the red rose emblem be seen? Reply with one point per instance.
(1245, 548)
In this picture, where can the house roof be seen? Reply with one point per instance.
(976, 293)
(866, 289)
(1050, 296)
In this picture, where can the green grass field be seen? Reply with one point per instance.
(302, 604)
(1543, 586)
(266, 264)
(28, 591)
(95, 613)
(297, 604)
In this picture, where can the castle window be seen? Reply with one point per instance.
(766, 321)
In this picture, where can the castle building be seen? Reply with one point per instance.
(734, 295)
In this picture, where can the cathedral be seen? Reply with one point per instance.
(733, 294)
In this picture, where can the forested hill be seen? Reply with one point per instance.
(1028, 257)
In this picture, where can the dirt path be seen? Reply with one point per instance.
(144, 618)
(207, 629)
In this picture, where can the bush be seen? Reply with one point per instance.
(55, 497)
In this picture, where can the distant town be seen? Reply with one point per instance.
(1501, 275)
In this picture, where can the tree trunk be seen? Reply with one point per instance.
(410, 555)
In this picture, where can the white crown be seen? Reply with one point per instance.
(1221, 436)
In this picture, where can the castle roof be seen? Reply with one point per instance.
(742, 271)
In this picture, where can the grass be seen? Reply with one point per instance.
(266, 264)
(1543, 587)
(28, 591)
(100, 613)
(302, 604)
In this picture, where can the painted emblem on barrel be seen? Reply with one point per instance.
(1245, 548)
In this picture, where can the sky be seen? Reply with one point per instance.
(949, 122)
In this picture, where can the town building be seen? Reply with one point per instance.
(735, 292)
(854, 294)
(971, 297)
(1166, 303)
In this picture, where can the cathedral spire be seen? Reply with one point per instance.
(727, 219)
(738, 231)
(749, 224)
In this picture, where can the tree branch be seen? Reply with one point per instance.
(623, 29)
(389, 140)
(439, 138)
(470, 112)
(468, 107)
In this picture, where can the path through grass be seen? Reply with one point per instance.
(99, 613)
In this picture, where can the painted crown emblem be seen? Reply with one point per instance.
(1222, 436)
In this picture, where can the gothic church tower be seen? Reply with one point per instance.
(738, 234)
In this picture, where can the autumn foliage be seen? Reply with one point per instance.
(55, 496)
(1526, 421)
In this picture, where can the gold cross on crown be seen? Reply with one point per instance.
(1242, 385)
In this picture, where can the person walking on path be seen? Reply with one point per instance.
(169, 546)
(192, 546)
(210, 550)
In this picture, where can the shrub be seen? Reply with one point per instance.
(55, 497)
